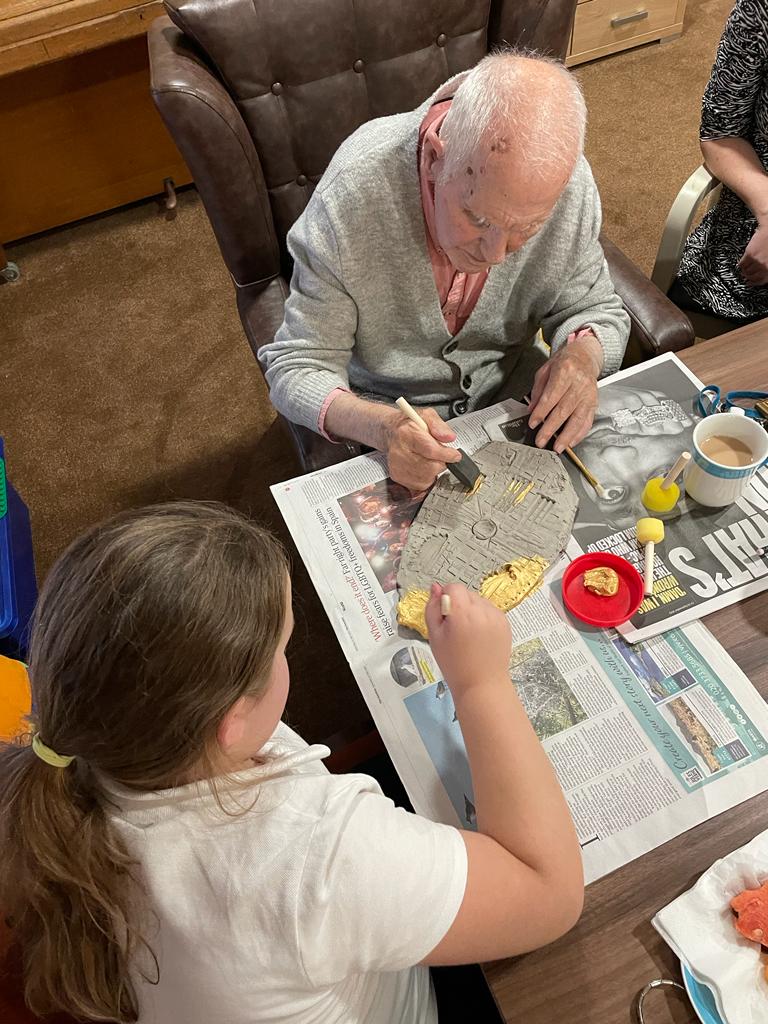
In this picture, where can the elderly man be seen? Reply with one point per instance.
(432, 250)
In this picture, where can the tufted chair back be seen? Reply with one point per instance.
(304, 74)
(258, 94)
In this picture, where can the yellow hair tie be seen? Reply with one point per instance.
(50, 756)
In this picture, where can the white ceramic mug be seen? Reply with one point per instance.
(711, 483)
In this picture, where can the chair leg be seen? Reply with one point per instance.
(9, 271)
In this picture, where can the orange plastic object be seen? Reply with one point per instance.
(751, 908)
(15, 698)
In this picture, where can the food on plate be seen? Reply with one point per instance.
(751, 910)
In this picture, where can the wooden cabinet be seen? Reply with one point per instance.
(80, 133)
(607, 26)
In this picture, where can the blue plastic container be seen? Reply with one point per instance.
(18, 587)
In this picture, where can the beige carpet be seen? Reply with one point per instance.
(125, 377)
(644, 108)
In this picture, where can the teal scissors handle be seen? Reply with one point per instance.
(710, 401)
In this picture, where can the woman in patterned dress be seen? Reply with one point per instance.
(724, 269)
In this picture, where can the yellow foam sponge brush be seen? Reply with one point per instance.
(650, 532)
(661, 493)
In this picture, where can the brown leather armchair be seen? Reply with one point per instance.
(259, 95)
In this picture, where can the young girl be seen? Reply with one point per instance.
(172, 852)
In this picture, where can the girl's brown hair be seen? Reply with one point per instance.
(148, 629)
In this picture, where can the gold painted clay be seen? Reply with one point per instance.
(520, 498)
(519, 491)
(602, 580)
(475, 486)
(505, 589)
(410, 611)
(514, 581)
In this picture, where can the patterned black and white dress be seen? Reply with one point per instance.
(735, 103)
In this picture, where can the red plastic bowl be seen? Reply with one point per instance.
(595, 609)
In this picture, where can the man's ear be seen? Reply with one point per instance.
(231, 730)
(433, 149)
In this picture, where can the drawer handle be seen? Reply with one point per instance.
(625, 19)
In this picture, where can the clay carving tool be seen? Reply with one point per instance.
(465, 471)
(650, 532)
(445, 605)
(530, 439)
(661, 494)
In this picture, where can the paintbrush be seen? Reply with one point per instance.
(465, 470)
(599, 489)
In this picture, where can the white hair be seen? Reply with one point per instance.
(516, 101)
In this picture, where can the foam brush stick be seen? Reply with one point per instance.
(650, 532)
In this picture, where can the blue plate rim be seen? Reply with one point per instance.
(692, 984)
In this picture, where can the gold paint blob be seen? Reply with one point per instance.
(507, 587)
(410, 611)
(602, 580)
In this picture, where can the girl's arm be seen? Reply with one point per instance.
(524, 878)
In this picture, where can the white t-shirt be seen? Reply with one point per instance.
(309, 908)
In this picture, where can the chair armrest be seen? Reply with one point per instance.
(261, 313)
(219, 151)
(657, 324)
(678, 226)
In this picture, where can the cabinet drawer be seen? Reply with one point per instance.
(611, 23)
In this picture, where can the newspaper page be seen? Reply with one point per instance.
(648, 739)
(710, 558)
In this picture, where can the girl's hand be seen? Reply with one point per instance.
(473, 644)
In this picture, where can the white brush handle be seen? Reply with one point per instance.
(445, 604)
(676, 470)
(411, 413)
(649, 554)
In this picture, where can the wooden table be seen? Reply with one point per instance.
(592, 975)
(35, 32)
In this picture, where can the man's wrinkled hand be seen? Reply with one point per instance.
(416, 458)
(753, 265)
(564, 395)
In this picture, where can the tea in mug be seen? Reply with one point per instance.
(727, 451)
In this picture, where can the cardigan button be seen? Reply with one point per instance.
(301, 180)
(459, 407)
(442, 39)
(358, 66)
(277, 88)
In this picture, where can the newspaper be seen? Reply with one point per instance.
(647, 740)
(710, 558)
